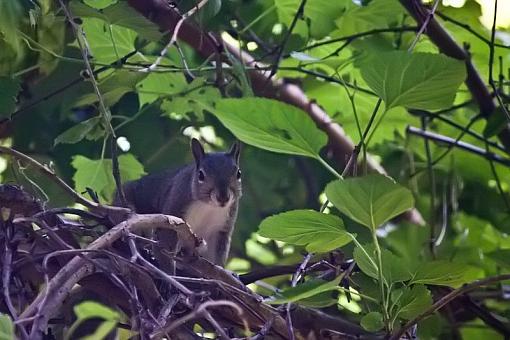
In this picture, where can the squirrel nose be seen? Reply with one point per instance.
(222, 198)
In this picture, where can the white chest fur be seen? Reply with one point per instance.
(206, 219)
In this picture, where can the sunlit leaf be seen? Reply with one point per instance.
(6, 327)
(305, 290)
(91, 309)
(394, 269)
(414, 80)
(444, 273)
(271, 125)
(97, 174)
(370, 200)
(317, 231)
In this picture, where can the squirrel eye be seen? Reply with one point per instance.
(201, 176)
(238, 174)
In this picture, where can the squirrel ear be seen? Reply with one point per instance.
(197, 149)
(235, 151)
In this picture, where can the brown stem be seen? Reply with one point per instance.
(207, 44)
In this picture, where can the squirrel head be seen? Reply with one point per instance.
(216, 176)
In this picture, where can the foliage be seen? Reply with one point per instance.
(360, 62)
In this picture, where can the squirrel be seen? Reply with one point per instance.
(205, 194)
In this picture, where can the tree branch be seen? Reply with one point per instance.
(207, 44)
(462, 145)
(447, 45)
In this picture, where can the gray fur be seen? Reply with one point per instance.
(181, 193)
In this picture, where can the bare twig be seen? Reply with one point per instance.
(51, 174)
(200, 311)
(281, 47)
(461, 145)
(59, 286)
(175, 34)
(295, 278)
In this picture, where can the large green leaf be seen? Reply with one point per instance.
(305, 290)
(6, 328)
(9, 88)
(394, 269)
(410, 302)
(160, 84)
(318, 232)
(370, 200)
(444, 273)
(108, 43)
(97, 174)
(335, 100)
(271, 125)
(419, 80)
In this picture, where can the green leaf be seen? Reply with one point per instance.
(376, 15)
(260, 253)
(335, 100)
(97, 174)
(160, 85)
(370, 200)
(319, 16)
(321, 300)
(108, 43)
(271, 125)
(101, 331)
(419, 80)
(113, 87)
(79, 131)
(97, 4)
(11, 16)
(91, 309)
(317, 231)
(444, 273)
(6, 327)
(501, 257)
(496, 122)
(412, 301)
(9, 88)
(305, 290)
(372, 322)
(394, 269)
(121, 14)
(191, 100)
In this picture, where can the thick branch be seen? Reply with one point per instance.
(207, 44)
